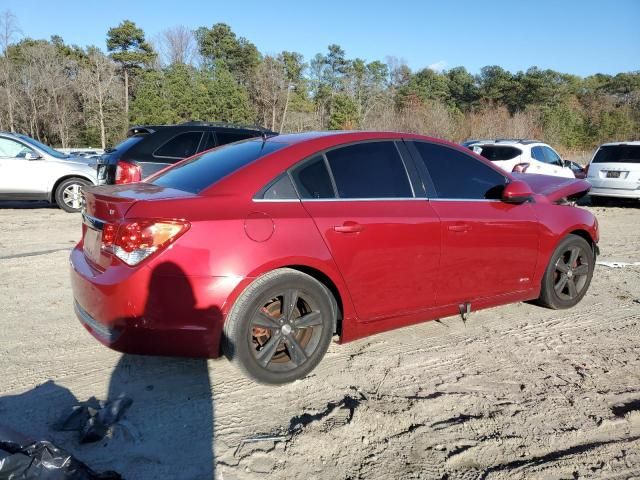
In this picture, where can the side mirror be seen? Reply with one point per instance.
(32, 156)
(517, 192)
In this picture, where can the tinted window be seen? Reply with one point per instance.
(496, 154)
(125, 144)
(230, 137)
(551, 156)
(312, 179)
(12, 149)
(538, 154)
(207, 168)
(281, 189)
(369, 170)
(51, 151)
(182, 145)
(457, 175)
(618, 154)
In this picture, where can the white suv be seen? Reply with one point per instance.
(614, 171)
(523, 156)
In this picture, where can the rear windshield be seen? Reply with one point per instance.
(496, 154)
(618, 154)
(126, 144)
(205, 169)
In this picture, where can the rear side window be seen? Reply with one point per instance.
(618, 154)
(181, 146)
(369, 170)
(230, 137)
(457, 175)
(497, 154)
(312, 179)
(281, 189)
(202, 171)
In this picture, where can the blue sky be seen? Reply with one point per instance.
(580, 37)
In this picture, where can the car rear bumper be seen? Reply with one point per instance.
(151, 311)
(615, 192)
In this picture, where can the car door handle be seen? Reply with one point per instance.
(348, 227)
(459, 227)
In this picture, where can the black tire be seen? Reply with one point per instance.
(273, 345)
(598, 201)
(68, 194)
(568, 275)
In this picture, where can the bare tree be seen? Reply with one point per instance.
(270, 89)
(177, 45)
(8, 30)
(99, 84)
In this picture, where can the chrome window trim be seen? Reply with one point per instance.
(382, 199)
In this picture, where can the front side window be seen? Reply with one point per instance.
(11, 149)
(181, 146)
(456, 175)
(369, 170)
(538, 154)
(312, 179)
(551, 156)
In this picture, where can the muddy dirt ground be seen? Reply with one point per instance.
(517, 392)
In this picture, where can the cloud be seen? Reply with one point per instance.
(438, 66)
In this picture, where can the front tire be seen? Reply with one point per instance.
(568, 275)
(280, 327)
(69, 196)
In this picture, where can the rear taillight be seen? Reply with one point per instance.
(134, 241)
(520, 168)
(128, 172)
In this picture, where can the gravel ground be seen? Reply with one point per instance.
(517, 392)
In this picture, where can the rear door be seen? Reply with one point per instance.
(617, 169)
(384, 240)
(489, 247)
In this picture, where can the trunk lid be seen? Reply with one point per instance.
(555, 188)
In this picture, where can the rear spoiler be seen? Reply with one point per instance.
(139, 130)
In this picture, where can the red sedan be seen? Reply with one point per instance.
(265, 249)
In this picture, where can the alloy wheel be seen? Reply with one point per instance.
(571, 273)
(72, 196)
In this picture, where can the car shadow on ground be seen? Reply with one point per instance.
(25, 204)
(168, 432)
(610, 202)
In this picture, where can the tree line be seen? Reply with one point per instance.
(69, 95)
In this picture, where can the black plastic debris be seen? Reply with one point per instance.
(93, 418)
(41, 461)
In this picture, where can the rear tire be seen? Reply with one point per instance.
(568, 275)
(280, 327)
(69, 196)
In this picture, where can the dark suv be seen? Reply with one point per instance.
(151, 148)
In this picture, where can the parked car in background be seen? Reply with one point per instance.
(31, 170)
(614, 172)
(523, 156)
(266, 248)
(148, 149)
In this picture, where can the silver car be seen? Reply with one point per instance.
(30, 170)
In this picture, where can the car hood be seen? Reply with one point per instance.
(555, 188)
(81, 160)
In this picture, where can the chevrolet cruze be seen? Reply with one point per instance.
(265, 249)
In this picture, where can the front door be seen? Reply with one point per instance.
(489, 247)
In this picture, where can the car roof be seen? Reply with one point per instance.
(346, 136)
(508, 142)
(611, 144)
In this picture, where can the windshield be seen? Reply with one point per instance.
(46, 148)
(205, 169)
(618, 154)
